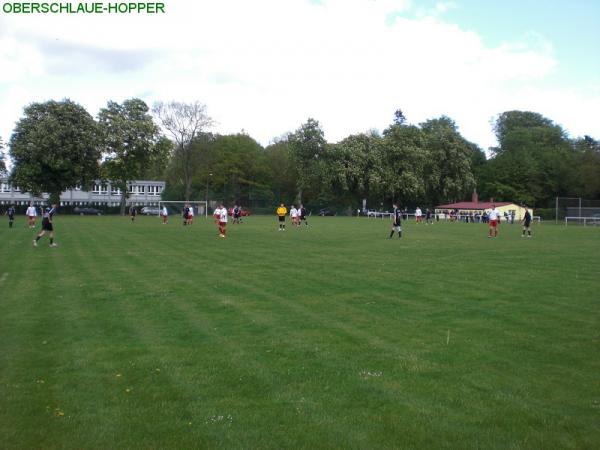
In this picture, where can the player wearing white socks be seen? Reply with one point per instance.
(31, 214)
(494, 218)
(294, 215)
(220, 216)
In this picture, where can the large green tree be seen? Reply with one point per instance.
(2, 163)
(281, 173)
(399, 173)
(448, 172)
(54, 147)
(307, 145)
(534, 162)
(184, 122)
(589, 167)
(130, 141)
(239, 169)
(350, 168)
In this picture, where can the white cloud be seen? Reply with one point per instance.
(266, 66)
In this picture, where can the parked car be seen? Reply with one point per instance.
(87, 211)
(326, 212)
(150, 210)
(244, 213)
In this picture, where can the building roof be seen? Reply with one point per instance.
(473, 205)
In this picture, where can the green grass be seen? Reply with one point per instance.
(149, 336)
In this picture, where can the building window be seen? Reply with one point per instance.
(154, 190)
(104, 190)
(5, 187)
(96, 189)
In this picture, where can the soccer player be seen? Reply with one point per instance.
(294, 215)
(190, 214)
(132, 213)
(281, 213)
(31, 214)
(186, 214)
(220, 216)
(237, 214)
(47, 225)
(302, 214)
(165, 215)
(428, 219)
(396, 222)
(10, 212)
(418, 215)
(494, 219)
(526, 223)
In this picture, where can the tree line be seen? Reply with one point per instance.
(58, 145)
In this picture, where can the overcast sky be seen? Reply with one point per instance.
(265, 66)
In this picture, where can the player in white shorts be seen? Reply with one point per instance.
(294, 215)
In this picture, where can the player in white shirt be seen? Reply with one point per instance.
(220, 216)
(294, 215)
(165, 215)
(31, 214)
(418, 214)
(494, 220)
(191, 215)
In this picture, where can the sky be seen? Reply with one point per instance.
(265, 66)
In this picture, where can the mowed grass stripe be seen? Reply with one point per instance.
(273, 329)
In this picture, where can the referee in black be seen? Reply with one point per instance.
(396, 222)
(526, 223)
(47, 226)
(10, 212)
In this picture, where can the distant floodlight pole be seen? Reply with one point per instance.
(207, 180)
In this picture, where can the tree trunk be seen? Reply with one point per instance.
(122, 185)
(188, 188)
(123, 202)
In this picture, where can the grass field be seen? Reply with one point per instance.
(149, 336)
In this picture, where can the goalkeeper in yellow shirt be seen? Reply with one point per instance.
(281, 213)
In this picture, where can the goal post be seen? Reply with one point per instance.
(582, 220)
(175, 207)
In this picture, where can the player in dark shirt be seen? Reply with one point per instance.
(396, 222)
(47, 225)
(186, 215)
(237, 214)
(10, 212)
(302, 214)
(527, 223)
(132, 213)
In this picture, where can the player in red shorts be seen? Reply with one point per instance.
(494, 219)
(220, 216)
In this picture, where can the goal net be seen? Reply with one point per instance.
(576, 220)
(576, 209)
(175, 208)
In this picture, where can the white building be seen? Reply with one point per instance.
(141, 192)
